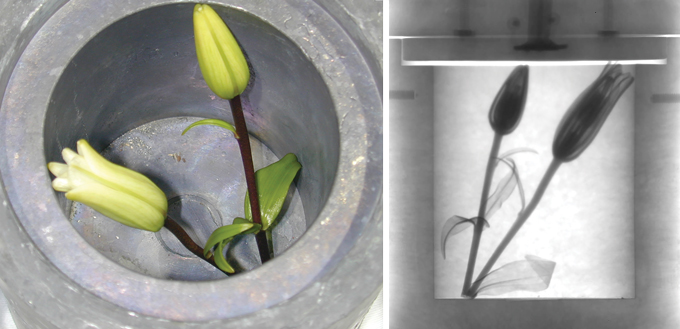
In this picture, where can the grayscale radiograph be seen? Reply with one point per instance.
(549, 150)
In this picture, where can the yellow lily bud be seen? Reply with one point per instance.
(222, 62)
(115, 191)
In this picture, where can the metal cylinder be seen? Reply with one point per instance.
(100, 70)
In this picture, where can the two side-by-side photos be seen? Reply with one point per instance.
(339, 164)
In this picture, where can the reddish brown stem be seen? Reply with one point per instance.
(244, 145)
(186, 241)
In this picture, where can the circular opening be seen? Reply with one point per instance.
(133, 88)
(51, 101)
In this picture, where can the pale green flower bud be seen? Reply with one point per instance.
(222, 62)
(115, 191)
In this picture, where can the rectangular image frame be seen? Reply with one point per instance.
(657, 219)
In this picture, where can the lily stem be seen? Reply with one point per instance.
(244, 146)
(187, 242)
(479, 224)
(521, 219)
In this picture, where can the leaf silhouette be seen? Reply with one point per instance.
(503, 191)
(532, 274)
(515, 151)
(513, 166)
(455, 225)
(505, 188)
(505, 158)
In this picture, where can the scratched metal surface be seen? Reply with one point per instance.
(356, 99)
(6, 321)
(372, 320)
(202, 175)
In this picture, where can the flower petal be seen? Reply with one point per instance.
(61, 184)
(119, 206)
(58, 169)
(123, 179)
(73, 158)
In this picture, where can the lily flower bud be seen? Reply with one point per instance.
(587, 114)
(222, 62)
(115, 191)
(507, 108)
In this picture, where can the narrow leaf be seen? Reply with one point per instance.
(455, 225)
(220, 261)
(240, 220)
(254, 230)
(212, 122)
(270, 242)
(503, 191)
(532, 274)
(513, 166)
(273, 183)
(515, 151)
(225, 232)
(505, 158)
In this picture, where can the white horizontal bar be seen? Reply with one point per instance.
(534, 63)
(524, 36)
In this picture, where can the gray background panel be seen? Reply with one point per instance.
(656, 216)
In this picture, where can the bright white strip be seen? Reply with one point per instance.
(534, 63)
(386, 167)
(524, 36)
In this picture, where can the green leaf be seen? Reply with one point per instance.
(226, 232)
(273, 183)
(256, 227)
(240, 220)
(212, 122)
(270, 242)
(220, 261)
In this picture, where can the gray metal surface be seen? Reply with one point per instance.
(6, 321)
(203, 176)
(425, 50)
(318, 98)
(372, 320)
